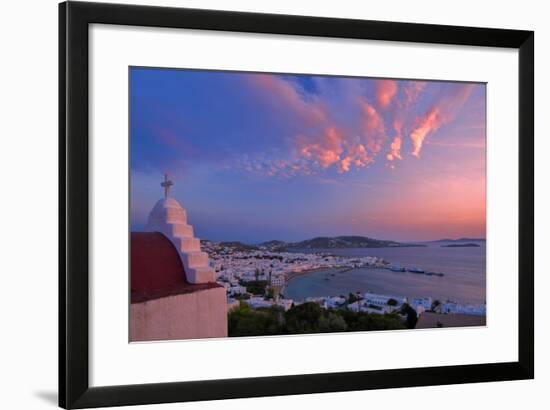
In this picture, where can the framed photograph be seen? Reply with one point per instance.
(256, 205)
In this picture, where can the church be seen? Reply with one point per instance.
(174, 294)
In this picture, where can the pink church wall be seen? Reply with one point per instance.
(195, 315)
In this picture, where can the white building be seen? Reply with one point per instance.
(335, 302)
(355, 306)
(237, 290)
(278, 280)
(420, 304)
(474, 310)
(382, 300)
(258, 302)
(232, 304)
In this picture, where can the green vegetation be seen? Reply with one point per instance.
(306, 318)
(269, 294)
(244, 321)
(412, 317)
(257, 287)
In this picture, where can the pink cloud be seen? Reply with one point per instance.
(359, 156)
(395, 146)
(412, 90)
(427, 124)
(441, 113)
(327, 139)
(385, 90)
(395, 149)
(373, 127)
(344, 165)
(334, 148)
(326, 149)
(285, 94)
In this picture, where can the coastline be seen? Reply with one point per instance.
(296, 274)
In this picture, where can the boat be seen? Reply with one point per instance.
(397, 269)
(440, 274)
(416, 270)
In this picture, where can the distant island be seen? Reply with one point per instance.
(343, 242)
(460, 240)
(337, 242)
(320, 242)
(461, 245)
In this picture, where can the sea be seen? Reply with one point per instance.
(463, 268)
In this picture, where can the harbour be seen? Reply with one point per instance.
(443, 273)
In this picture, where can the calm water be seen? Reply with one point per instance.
(464, 270)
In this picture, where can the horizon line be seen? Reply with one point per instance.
(247, 242)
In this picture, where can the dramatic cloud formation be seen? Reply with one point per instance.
(320, 155)
(357, 155)
(373, 128)
(385, 91)
(427, 124)
(411, 90)
(441, 113)
(326, 150)
(325, 141)
(322, 141)
(300, 125)
(334, 147)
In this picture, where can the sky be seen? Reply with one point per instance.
(257, 156)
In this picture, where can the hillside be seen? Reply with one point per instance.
(323, 242)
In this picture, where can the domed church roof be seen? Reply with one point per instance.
(156, 268)
(155, 261)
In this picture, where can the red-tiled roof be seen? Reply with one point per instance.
(156, 268)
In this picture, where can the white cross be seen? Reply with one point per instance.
(166, 184)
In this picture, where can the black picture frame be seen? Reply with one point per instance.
(74, 387)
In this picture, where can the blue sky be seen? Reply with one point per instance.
(259, 156)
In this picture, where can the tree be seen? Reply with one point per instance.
(392, 302)
(268, 294)
(306, 318)
(412, 317)
(303, 318)
(332, 322)
(244, 321)
(257, 287)
(352, 298)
